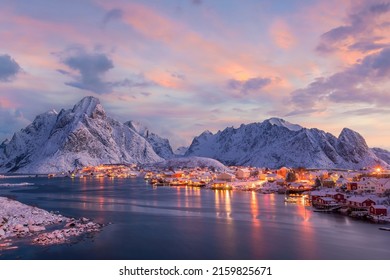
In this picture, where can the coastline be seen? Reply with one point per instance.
(37, 226)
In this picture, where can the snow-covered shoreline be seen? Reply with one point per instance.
(18, 220)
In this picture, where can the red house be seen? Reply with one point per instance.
(352, 186)
(326, 201)
(339, 197)
(360, 202)
(378, 210)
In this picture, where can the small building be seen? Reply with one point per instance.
(337, 196)
(326, 201)
(314, 195)
(378, 210)
(220, 185)
(226, 177)
(328, 183)
(352, 186)
(243, 173)
(360, 202)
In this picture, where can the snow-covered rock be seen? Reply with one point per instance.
(181, 151)
(160, 145)
(84, 135)
(382, 154)
(18, 220)
(275, 143)
(192, 162)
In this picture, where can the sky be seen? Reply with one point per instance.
(185, 66)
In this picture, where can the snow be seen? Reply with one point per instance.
(84, 135)
(270, 144)
(382, 154)
(20, 220)
(160, 145)
(16, 184)
(192, 162)
(181, 151)
(283, 123)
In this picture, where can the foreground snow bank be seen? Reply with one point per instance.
(19, 220)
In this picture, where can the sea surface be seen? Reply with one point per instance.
(191, 223)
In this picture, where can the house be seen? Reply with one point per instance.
(382, 186)
(220, 185)
(367, 184)
(243, 173)
(352, 186)
(272, 177)
(226, 177)
(337, 196)
(326, 201)
(360, 202)
(341, 182)
(328, 183)
(378, 210)
(314, 195)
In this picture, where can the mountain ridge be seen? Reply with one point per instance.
(275, 142)
(72, 138)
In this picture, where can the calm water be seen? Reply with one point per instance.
(191, 223)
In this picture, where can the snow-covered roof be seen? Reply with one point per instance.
(318, 193)
(327, 199)
(379, 207)
(358, 199)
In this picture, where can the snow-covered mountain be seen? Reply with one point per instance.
(160, 145)
(84, 135)
(192, 162)
(382, 154)
(275, 142)
(181, 151)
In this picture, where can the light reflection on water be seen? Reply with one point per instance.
(194, 223)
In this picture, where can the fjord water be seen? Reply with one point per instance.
(191, 223)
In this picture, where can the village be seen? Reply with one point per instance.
(361, 194)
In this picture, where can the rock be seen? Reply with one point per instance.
(19, 227)
(36, 228)
(71, 224)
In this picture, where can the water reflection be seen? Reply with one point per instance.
(254, 209)
(193, 223)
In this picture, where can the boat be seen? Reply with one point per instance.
(385, 228)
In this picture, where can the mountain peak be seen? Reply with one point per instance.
(90, 106)
(283, 123)
(138, 127)
(351, 136)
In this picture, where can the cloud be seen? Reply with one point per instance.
(197, 2)
(366, 46)
(146, 94)
(178, 75)
(363, 29)
(111, 15)
(367, 111)
(359, 83)
(10, 120)
(8, 68)
(282, 35)
(90, 70)
(249, 85)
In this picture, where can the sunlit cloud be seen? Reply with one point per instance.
(282, 35)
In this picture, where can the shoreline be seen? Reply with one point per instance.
(39, 227)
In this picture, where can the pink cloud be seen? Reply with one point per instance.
(282, 35)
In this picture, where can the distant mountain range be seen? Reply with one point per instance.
(85, 135)
(275, 143)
